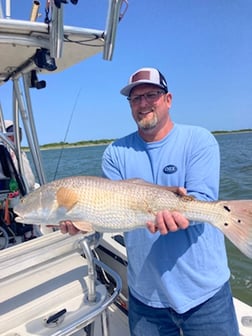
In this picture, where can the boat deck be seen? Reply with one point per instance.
(45, 289)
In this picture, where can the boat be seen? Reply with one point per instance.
(59, 284)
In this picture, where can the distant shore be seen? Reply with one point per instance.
(103, 142)
(73, 145)
(232, 132)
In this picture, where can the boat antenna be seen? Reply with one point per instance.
(66, 134)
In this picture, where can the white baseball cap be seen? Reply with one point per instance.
(145, 76)
(8, 123)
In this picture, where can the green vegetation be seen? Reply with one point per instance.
(62, 144)
(236, 131)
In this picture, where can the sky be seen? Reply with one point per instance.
(203, 48)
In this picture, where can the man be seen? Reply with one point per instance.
(29, 176)
(177, 271)
(28, 173)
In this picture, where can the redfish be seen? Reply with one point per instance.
(99, 204)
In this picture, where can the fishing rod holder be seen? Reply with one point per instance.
(88, 243)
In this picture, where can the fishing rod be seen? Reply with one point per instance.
(35, 11)
(66, 134)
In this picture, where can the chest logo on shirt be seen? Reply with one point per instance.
(170, 169)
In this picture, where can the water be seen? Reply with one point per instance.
(235, 183)
(73, 161)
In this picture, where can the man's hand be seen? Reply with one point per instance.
(68, 227)
(167, 221)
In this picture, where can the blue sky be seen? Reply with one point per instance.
(204, 49)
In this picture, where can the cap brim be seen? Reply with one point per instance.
(127, 89)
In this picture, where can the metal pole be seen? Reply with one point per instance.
(105, 322)
(8, 9)
(1, 10)
(34, 12)
(56, 32)
(111, 28)
(2, 119)
(31, 130)
(87, 243)
(18, 104)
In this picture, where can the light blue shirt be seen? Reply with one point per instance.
(185, 268)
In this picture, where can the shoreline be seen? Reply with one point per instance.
(66, 146)
(230, 132)
(91, 143)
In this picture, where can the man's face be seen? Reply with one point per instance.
(149, 105)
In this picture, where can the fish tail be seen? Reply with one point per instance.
(238, 224)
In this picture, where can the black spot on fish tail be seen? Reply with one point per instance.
(227, 208)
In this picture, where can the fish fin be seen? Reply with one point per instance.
(83, 226)
(66, 197)
(177, 190)
(137, 181)
(186, 198)
(239, 228)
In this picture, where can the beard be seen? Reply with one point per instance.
(148, 123)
